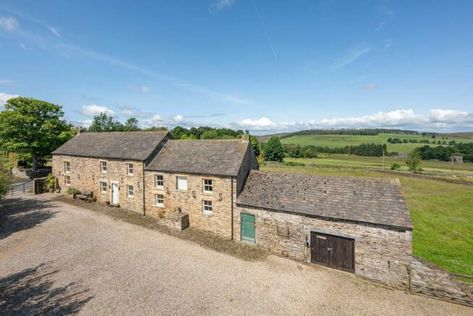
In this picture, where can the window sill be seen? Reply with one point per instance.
(208, 192)
(159, 206)
(206, 213)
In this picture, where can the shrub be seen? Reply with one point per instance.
(72, 191)
(413, 161)
(50, 183)
(273, 150)
(395, 166)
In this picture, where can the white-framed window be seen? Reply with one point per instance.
(129, 191)
(67, 180)
(181, 183)
(103, 187)
(67, 167)
(130, 169)
(208, 185)
(207, 207)
(159, 200)
(103, 166)
(159, 181)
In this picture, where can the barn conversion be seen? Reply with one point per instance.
(358, 225)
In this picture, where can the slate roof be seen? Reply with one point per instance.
(113, 145)
(214, 157)
(365, 200)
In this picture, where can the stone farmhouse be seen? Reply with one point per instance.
(353, 224)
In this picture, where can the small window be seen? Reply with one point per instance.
(103, 166)
(207, 207)
(130, 169)
(67, 180)
(208, 185)
(67, 166)
(159, 181)
(129, 191)
(159, 200)
(103, 187)
(181, 183)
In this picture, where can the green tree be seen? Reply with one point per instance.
(255, 144)
(210, 134)
(131, 125)
(105, 123)
(178, 131)
(33, 126)
(273, 150)
(4, 177)
(413, 161)
(188, 137)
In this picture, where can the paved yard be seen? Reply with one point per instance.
(55, 257)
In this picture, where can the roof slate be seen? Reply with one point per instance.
(367, 200)
(214, 157)
(113, 145)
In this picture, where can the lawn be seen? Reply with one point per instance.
(347, 140)
(442, 214)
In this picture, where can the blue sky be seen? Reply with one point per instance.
(263, 65)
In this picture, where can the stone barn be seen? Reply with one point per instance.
(359, 225)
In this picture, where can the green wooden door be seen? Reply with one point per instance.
(247, 225)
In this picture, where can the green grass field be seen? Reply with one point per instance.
(347, 140)
(442, 214)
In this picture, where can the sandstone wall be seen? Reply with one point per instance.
(86, 175)
(380, 254)
(190, 201)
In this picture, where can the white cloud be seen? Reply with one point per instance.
(352, 55)
(54, 31)
(8, 23)
(178, 118)
(5, 96)
(144, 89)
(93, 109)
(85, 123)
(435, 119)
(219, 5)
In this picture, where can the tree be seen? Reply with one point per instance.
(105, 123)
(33, 126)
(273, 150)
(131, 125)
(4, 177)
(255, 144)
(413, 161)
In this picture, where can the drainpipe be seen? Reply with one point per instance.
(232, 209)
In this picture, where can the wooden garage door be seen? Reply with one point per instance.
(333, 251)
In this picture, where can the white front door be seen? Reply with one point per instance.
(115, 194)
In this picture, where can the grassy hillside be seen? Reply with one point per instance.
(441, 213)
(347, 140)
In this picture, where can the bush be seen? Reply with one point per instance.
(413, 161)
(72, 191)
(395, 166)
(4, 177)
(50, 183)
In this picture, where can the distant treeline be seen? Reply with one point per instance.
(444, 153)
(365, 131)
(420, 141)
(310, 151)
(204, 132)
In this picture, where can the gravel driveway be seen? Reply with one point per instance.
(59, 258)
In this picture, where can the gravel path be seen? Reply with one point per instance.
(60, 258)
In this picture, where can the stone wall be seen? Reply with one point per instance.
(190, 201)
(86, 174)
(381, 255)
(249, 163)
(431, 281)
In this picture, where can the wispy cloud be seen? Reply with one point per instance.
(6, 82)
(265, 29)
(219, 5)
(388, 43)
(9, 23)
(144, 89)
(53, 30)
(370, 86)
(352, 55)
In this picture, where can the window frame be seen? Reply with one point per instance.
(66, 181)
(177, 183)
(156, 181)
(211, 185)
(128, 186)
(128, 169)
(102, 164)
(68, 169)
(106, 186)
(204, 206)
(156, 197)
